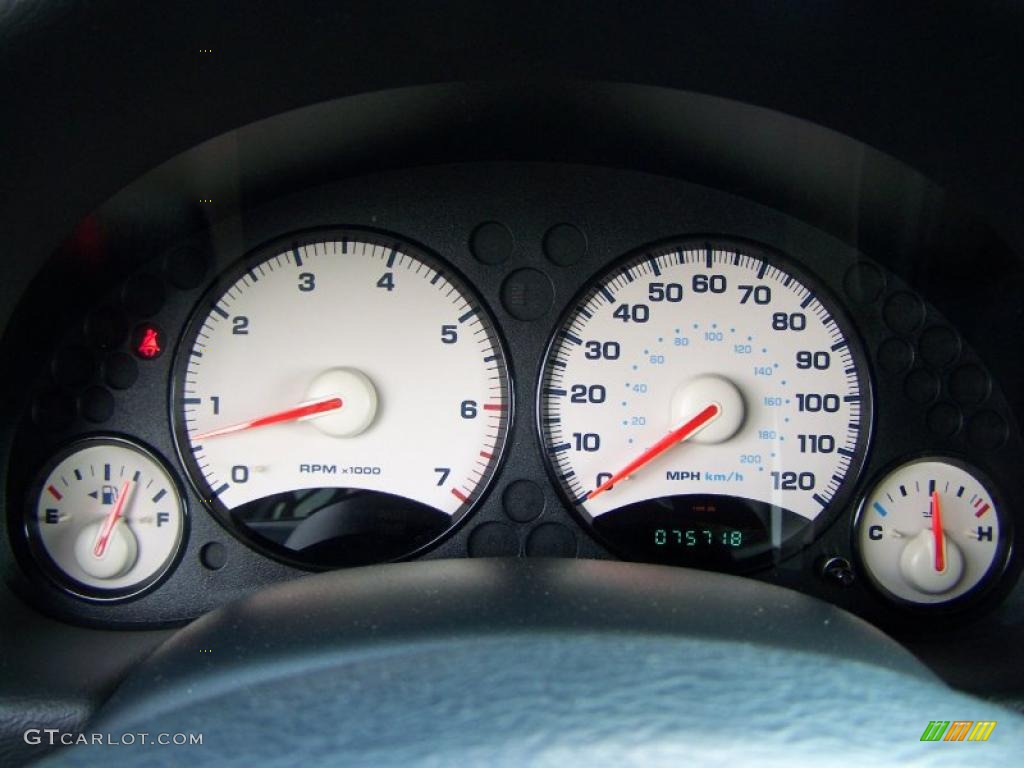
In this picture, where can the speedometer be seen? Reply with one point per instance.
(705, 403)
(341, 398)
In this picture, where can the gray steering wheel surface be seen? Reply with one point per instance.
(507, 662)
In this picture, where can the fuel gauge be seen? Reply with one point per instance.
(930, 533)
(107, 519)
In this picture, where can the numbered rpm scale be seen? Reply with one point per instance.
(704, 402)
(341, 398)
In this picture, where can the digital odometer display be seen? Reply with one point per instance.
(704, 403)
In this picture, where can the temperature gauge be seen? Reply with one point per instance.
(108, 520)
(931, 533)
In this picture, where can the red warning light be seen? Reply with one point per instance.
(148, 341)
(150, 344)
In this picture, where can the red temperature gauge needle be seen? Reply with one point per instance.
(108, 525)
(281, 417)
(940, 540)
(702, 419)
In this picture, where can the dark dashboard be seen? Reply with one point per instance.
(467, 287)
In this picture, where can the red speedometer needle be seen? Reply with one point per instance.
(292, 414)
(702, 419)
(108, 525)
(940, 541)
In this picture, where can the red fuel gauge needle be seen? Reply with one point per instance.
(281, 417)
(940, 541)
(108, 525)
(702, 419)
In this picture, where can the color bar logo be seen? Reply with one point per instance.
(958, 730)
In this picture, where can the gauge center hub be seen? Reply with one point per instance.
(701, 392)
(358, 397)
(917, 564)
(118, 557)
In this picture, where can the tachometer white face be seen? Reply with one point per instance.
(702, 402)
(353, 363)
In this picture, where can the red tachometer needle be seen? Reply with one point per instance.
(292, 414)
(108, 525)
(702, 419)
(940, 541)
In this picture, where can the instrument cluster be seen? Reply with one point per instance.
(574, 363)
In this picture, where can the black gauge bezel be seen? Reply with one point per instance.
(993, 574)
(808, 533)
(270, 249)
(53, 572)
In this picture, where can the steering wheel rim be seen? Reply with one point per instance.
(536, 662)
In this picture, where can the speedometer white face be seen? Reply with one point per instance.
(703, 403)
(342, 400)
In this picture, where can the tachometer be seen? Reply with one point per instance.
(705, 403)
(341, 399)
